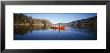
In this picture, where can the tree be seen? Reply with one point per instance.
(20, 18)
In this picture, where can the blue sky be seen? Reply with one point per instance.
(61, 17)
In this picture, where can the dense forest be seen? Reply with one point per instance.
(20, 19)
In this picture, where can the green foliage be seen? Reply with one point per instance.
(22, 19)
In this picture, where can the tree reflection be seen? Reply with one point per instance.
(24, 29)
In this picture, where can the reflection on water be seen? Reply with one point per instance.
(23, 29)
(40, 32)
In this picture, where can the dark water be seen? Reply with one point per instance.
(24, 32)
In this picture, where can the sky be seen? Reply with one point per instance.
(61, 17)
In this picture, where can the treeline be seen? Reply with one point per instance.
(85, 23)
(20, 18)
(41, 21)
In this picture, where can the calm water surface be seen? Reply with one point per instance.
(42, 33)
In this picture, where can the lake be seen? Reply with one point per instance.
(24, 32)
